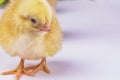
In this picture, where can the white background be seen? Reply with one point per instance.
(91, 47)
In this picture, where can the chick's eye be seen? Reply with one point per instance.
(33, 20)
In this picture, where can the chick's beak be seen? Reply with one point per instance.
(45, 27)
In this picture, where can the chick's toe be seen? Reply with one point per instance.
(40, 67)
(19, 71)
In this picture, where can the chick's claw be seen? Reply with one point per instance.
(9, 72)
(19, 71)
(40, 67)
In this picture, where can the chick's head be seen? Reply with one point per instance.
(33, 15)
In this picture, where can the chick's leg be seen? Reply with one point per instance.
(40, 67)
(18, 71)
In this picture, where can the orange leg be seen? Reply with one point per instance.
(40, 67)
(19, 71)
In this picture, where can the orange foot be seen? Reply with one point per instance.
(19, 71)
(40, 67)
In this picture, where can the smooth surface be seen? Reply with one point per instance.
(91, 47)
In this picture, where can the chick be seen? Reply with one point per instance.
(30, 29)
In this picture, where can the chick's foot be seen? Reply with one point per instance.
(40, 67)
(19, 71)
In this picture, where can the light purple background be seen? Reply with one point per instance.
(91, 47)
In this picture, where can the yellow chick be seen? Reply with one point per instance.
(30, 29)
